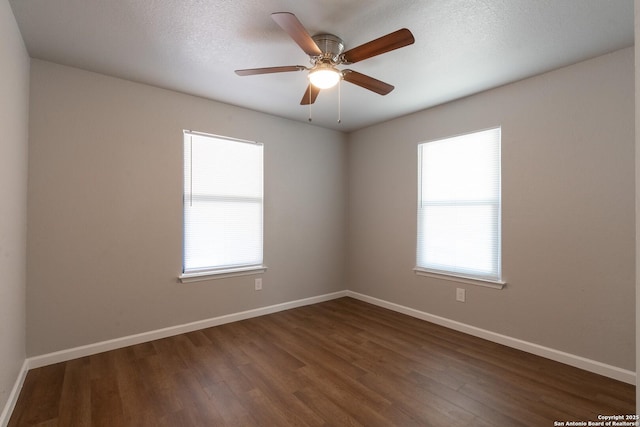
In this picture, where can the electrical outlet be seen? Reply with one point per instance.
(460, 294)
(259, 284)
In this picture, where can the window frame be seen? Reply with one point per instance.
(457, 275)
(213, 272)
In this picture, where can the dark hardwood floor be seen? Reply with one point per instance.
(340, 363)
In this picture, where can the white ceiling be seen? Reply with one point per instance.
(193, 46)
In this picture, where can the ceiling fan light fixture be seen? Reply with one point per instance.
(324, 76)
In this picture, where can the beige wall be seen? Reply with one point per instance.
(105, 209)
(14, 98)
(568, 210)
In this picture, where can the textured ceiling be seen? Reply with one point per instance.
(193, 46)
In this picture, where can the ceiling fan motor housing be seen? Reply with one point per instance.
(331, 47)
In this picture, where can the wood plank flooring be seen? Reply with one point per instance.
(338, 363)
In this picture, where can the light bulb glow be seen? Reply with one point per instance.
(324, 77)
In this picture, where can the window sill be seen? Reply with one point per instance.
(221, 274)
(461, 279)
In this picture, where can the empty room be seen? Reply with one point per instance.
(363, 213)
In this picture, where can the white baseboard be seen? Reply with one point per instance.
(99, 347)
(549, 353)
(539, 350)
(13, 396)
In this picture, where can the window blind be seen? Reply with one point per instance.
(223, 203)
(459, 206)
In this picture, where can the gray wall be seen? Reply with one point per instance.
(105, 209)
(568, 210)
(14, 107)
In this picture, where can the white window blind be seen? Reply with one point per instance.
(459, 206)
(223, 204)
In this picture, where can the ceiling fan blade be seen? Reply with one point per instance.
(268, 70)
(310, 95)
(297, 32)
(367, 82)
(391, 41)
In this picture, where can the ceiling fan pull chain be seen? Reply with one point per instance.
(309, 103)
(339, 101)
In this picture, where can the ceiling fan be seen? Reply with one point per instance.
(326, 53)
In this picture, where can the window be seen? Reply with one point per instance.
(223, 203)
(459, 206)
